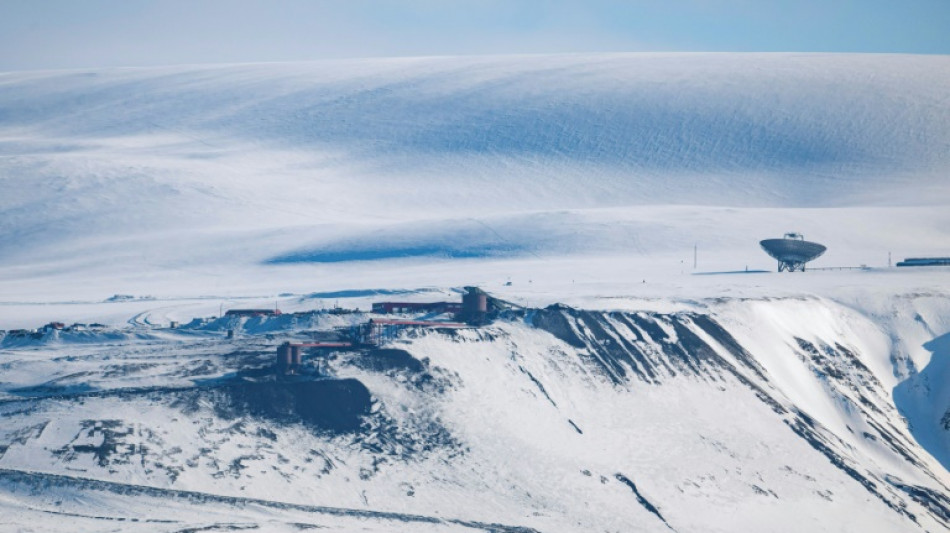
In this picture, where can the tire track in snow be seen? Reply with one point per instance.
(46, 480)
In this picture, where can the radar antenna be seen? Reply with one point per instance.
(792, 251)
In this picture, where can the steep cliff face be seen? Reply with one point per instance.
(734, 415)
(819, 367)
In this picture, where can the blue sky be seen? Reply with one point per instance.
(43, 34)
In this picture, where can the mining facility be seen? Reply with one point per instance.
(924, 261)
(474, 310)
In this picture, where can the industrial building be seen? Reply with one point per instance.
(474, 306)
(473, 309)
(289, 358)
(370, 334)
(924, 261)
(252, 312)
(388, 308)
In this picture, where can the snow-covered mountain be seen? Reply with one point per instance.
(621, 389)
(735, 415)
(159, 178)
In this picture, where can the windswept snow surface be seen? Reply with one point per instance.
(667, 396)
(251, 179)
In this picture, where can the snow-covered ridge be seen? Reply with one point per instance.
(555, 419)
(655, 397)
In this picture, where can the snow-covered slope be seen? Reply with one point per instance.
(656, 399)
(737, 415)
(161, 177)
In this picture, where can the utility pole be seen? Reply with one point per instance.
(695, 255)
(888, 259)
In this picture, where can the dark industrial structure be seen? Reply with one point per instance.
(376, 331)
(792, 251)
(473, 309)
(370, 334)
(387, 308)
(289, 356)
(924, 261)
(252, 312)
(474, 306)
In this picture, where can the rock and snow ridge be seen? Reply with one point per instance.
(740, 415)
(654, 400)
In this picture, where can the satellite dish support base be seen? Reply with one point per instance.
(791, 266)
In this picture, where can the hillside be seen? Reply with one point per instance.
(735, 415)
(158, 176)
(645, 369)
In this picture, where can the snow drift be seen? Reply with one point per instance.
(188, 167)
